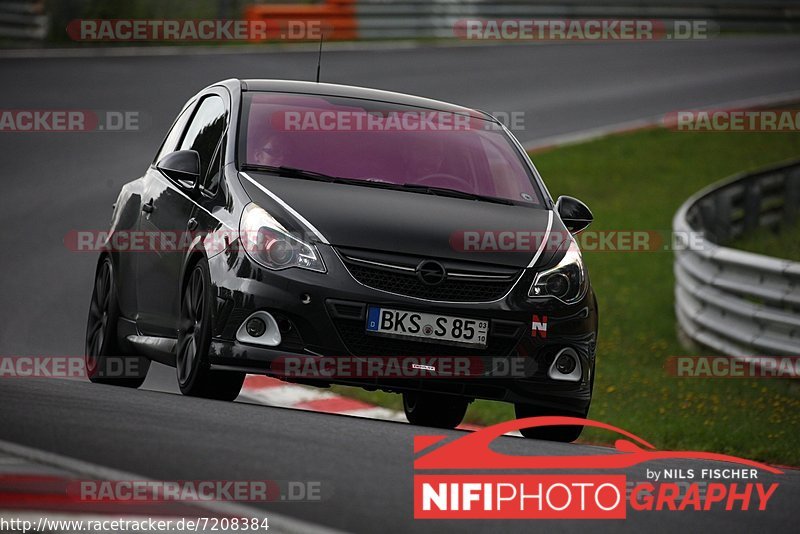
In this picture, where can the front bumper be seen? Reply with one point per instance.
(323, 315)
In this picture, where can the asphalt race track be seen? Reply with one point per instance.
(57, 182)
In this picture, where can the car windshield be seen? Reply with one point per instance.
(383, 144)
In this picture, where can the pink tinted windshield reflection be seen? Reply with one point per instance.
(473, 156)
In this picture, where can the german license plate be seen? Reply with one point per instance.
(432, 327)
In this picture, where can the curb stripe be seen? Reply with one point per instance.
(334, 405)
(274, 392)
(255, 382)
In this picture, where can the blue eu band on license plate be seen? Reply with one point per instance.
(444, 329)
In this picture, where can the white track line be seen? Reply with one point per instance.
(277, 522)
(591, 134)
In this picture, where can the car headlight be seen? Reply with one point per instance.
(566, 281)
(268, 243)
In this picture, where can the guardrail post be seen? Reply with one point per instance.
(792, 197)
(752, 206)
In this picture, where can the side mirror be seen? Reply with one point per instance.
(575, 214)
(183, 167)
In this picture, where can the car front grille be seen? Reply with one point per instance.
(397, 275)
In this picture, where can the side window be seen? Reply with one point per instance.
(205, 131)
(170, 144)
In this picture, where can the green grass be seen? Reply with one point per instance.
(636, 182)
(779, 242)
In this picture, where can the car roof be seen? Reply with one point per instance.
(332, 89)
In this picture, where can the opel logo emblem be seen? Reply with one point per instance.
(431, 272)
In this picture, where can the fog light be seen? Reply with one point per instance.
(565, 364)
(259, 329)
(256, 327)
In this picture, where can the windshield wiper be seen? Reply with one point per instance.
(294, 172)
(291, 172)
(455, 193)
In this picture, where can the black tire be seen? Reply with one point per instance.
(430, 409)
(106, 362)
(195, 378)
(565, 434)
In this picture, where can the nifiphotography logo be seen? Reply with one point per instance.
(578, 487)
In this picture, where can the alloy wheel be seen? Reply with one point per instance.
(99, 311)
(192, 325)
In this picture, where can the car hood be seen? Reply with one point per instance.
(403, 222)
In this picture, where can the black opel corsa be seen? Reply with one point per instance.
(328, 234)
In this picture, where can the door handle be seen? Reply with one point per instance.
(192, 224)
(148, 208)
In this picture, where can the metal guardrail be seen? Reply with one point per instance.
(23, 20)
(415, 19)
(436, 18)
(739, 303)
